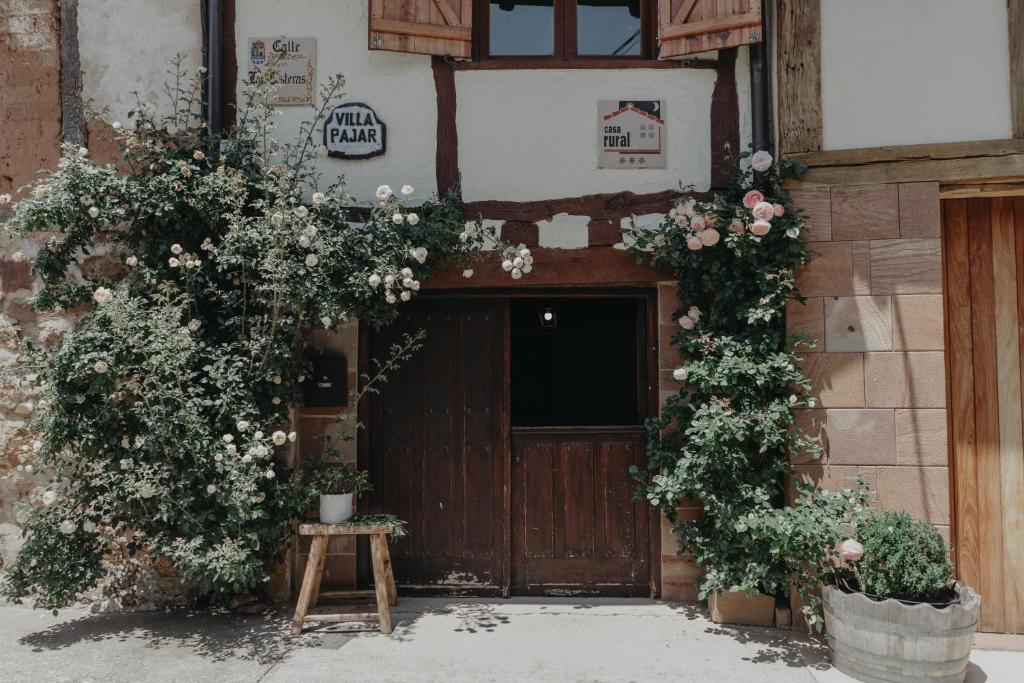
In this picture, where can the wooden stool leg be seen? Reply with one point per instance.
(314, 566)
(392, 589)
(380, 582)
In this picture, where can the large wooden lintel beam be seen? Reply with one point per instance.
(944, 162)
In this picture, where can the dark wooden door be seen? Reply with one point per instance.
(437, 435)
(575, 528)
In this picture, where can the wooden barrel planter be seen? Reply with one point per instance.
(890, 641)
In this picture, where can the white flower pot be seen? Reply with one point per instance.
(335, 509)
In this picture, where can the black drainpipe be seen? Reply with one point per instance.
(213, 109)
(760, 86)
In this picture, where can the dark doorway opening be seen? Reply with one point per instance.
(575, 362)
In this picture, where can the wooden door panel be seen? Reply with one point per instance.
(984, 253)
(435, 453)
(575, 528)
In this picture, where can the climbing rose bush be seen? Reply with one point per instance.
(724, 437)
(163, 417)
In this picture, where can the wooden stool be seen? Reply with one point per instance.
(383, 577)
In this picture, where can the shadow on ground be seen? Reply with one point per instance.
(214, 636)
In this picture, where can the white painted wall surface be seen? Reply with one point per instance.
(399, 87)
(897, 72)
(126, 47)
(526, 135)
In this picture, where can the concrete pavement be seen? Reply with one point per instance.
(434, 639)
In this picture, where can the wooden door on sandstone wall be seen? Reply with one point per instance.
(505, 442)
(984, 273)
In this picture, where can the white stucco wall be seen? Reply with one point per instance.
(913, 71)
(526, 135)
(399, 87)
(128, 49)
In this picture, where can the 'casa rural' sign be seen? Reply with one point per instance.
(631, 134)
(294, 59)
(354, 131)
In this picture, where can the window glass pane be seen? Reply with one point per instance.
(608, 27)
(522, 28)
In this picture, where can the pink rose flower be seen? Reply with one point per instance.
(694, 243)
(686, 322)
(697, 223)
(779, 209)
(709, 237)
(763, 211)
(851, 550)
(710, 221)
(736, 225)
(752, 199)
(760, 228)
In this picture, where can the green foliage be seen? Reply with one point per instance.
(163, 414)
(340, 479)
(725, 437)
(398, 527)
(903, 558)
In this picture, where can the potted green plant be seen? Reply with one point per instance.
(895, 613)
(338, 486)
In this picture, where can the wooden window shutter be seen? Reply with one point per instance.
(426, 27)
(689, 26)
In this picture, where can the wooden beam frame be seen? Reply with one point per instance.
(1015, 21)
(952, 162)
(798, 59)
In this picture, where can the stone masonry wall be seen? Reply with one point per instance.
(874, 303)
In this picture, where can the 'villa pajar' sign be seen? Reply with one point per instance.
(631, 134)
(354, 131)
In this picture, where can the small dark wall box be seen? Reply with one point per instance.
(327, 384)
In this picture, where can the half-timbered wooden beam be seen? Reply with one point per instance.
(799, 75)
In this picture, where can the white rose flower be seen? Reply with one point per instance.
(270, 474)
(420, 254)
(405, 295)
(383, 192)
(467, 273)
(88, 526)
(326, 321)
(140, 441)
(228, 438)
(232, 449)
(102, 295)
(406, 272)
(390, 279)
(126, 463)
(679, 374)
(407, 283)
(694, 313)
(397, 219)
(173, 262)
(517, 262)
(310, 231)
(93, 211)
(132, 261)
(407, 190)
(194, 325)
(198, 155)
(390, 298)
(301, 211)
(125, 443)
(68, 527)
(524, 252)
(277, 220)
(415, 286)
(517, 273)
(211, 489)
(412, 219)
(506, 265)
(374, 280)
(527, 267)
(686, 322)
(277, 379)
(292, 436)
(761, 161)
(319, 198)
(793, 232)
(146, 491)
(311, 260)
(242, 425)
(100, 367)
(49, 498)
(85, 200)
(303, 241)
(278, 438)
(176, 249)
(276, 400)
(5, 199)
(246, 458)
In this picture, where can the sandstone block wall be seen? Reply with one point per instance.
(874, 303)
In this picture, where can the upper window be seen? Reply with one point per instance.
(565, 29)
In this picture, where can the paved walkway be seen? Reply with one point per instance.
(434, 639)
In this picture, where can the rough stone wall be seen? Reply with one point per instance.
(874, 292)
